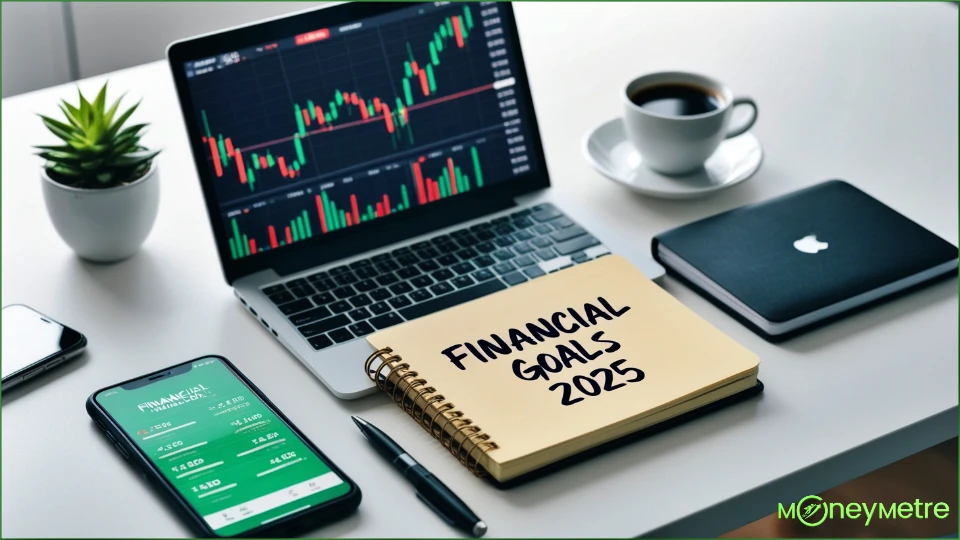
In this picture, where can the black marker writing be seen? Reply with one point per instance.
(532, 333)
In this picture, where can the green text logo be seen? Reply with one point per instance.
(812, 511)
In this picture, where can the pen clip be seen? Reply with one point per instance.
(435, 509)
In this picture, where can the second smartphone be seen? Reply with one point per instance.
(223, 455)
(34, 343)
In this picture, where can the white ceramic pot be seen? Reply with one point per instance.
(104, 225)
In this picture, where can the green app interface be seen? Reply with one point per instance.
(222, 448)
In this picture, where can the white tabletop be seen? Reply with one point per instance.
(864, 92)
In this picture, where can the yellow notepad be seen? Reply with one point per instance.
(517, 380)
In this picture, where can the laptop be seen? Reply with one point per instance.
(366, 164)
(792, 263)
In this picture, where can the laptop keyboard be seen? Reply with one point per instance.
(352, 300)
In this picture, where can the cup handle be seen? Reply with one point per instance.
(746, 125)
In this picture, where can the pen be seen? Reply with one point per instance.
(429, 488)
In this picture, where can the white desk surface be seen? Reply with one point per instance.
(864, 92)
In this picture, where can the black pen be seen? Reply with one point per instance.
(430, 490)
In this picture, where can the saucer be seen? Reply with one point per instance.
(608, 150)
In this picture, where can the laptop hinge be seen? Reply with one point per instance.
(401, 227)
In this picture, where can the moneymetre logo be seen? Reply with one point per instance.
(812, 511)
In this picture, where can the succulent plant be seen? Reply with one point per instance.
(97, 151)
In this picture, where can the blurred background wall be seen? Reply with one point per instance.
(47, 43)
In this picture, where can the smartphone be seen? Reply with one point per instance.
(221, 453)
(34, 343)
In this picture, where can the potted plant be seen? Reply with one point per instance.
(100, 184)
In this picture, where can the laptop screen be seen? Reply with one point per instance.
(330, 129)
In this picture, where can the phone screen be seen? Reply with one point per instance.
(29, 337)
(221, 447)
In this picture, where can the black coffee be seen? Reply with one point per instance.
(676, 99)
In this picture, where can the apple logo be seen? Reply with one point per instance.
(810, 244)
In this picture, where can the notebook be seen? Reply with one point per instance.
(786, 265)
(531, 376)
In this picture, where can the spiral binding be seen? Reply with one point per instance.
(430, 409)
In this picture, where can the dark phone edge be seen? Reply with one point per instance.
(28, 372)
(628, 439)
(291, 525)
(779, 338)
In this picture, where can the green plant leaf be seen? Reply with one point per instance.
(73, 110)
(67, 135)
(124, 138)
(134, 159)
(65, 170)
(62, 157)
(127, 163)
(121, 150)
(101, 100)
(96, 129)
(120, 121)
(97, 150)
(127, 134)
(108, 117)
(86, 109)
(132, 129)
(91, 167)
(87, 148)
(74, 121)
(54, 148)
(126, 145)
(58, 124)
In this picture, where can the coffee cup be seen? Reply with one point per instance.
(677, 120)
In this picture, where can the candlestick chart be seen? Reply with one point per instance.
(333, 129)
(421, 181)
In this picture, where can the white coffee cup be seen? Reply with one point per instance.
(674, 144)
